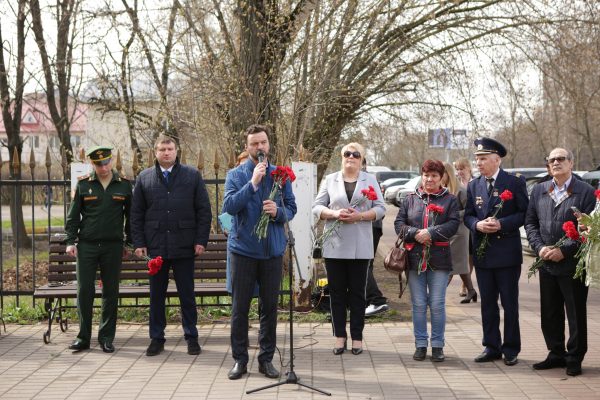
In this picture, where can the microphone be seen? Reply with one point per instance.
(261, 156)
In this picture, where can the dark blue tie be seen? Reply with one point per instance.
(166, 175)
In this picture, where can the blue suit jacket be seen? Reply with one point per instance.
(504, 248)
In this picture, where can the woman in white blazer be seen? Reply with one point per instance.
(348, 250)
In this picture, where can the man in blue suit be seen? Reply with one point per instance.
(498, 268)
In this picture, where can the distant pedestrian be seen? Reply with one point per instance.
(459, 243)
(376, 301)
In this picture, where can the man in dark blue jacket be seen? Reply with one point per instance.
(498, 265)
(551, 206)
(252, 260)
(170, 217)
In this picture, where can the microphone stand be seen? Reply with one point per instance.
(291, 375)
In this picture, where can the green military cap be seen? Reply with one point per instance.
(100, 155)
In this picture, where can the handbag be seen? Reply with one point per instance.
(396, 259)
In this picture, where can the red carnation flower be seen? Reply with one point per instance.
(154, 265)
(597, 194)
(369, 193)
(434, 208)
(506, 195)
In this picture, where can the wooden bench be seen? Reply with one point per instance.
(209, 280)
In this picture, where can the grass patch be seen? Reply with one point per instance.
(54, 221)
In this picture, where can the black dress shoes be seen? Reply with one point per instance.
(487, 356)
(268, 369)
(78, 346)
(510, 361)
(156, 347)
(339, 350)
(107, 347)
(573, 368)
(420, 354)
(193, 347)
(437, 354)
(550, 363)
(237, 371)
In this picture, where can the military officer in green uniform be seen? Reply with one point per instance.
(99, 221)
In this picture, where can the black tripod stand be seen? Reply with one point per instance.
(291, 375)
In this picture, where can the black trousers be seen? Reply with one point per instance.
(374, 295)
(557, 294)
(347, 280)
(183, 272)
(245, 273)
(503, 283)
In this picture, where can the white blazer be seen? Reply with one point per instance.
(351, 241)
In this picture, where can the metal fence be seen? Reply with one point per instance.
(44, 204)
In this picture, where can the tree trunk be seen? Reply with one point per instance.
(17, 222)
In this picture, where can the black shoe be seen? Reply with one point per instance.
(268, 369)
(437, 354)
(420, 354)
(487, 356)
(574, 368)
(107, 347)
(511, 360)
(357, 350)
(550, 363)
(339, 350)
(237, 371)
(193, 347)
(78, 346)
(156, 347)
(471, 296)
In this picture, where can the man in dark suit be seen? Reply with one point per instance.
(551, 205)
(170, 217)
(498, 266)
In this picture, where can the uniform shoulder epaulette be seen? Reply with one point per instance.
(82, 177)
(123, 177)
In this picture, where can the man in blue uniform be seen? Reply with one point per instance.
(498, 266)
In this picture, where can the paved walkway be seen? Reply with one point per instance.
(30, 369)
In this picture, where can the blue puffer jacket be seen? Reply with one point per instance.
(245, 205)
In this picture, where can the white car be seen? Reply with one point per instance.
(409, 187)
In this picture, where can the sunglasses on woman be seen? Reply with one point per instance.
(354, 154)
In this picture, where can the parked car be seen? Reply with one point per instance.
(390, 193)
(376, 168)
(592, 177)
(384, 175)
(388, 183)
(408, 187)
(526, 172)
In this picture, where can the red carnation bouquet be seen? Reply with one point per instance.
(154, 264)
(571, 233)
(588, 253)
(367, 194)
(504, 196)
(431, 213)
(280, 176)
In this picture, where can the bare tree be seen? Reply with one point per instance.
(323, 65)
(57, 69)
(12, 105)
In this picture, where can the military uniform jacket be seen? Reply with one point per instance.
(504, 248)
(97, 214)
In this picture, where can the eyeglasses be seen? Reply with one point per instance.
(559, 159)
(354, 154)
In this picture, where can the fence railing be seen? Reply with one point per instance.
(32, 210)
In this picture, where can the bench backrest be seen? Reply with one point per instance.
(211, 265)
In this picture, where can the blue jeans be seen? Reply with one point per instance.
(428, 289)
